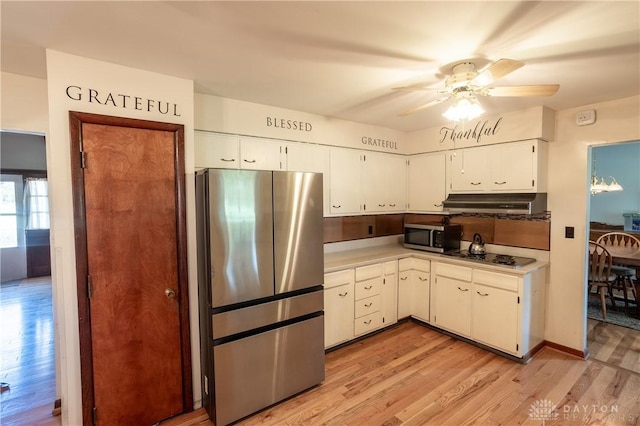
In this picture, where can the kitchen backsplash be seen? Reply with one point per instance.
(527, 231)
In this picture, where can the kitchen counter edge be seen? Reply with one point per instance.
(338, 261)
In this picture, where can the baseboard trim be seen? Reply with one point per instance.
(575, 352)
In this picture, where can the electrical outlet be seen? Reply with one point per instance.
(584, 118)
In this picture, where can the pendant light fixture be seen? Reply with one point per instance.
(599, 185)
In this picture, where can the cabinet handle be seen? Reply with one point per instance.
(343, 294)
(463, 289)
(475, 183)
(392, 205)
(437, 205)
(403, 278)
(337, 207)
(249, 161)
(228, 159)
(500, 183)
(381, 205)
(367, 322)
(368, 305)
(369, 287)
(423, 279)
(482, 294)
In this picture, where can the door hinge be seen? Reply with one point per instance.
(518, 300)
(83, 160)
(94, 415)
(517, 347)
(89, 286)
(533, 182)
(533, 148)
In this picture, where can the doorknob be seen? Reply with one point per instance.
(170, 293)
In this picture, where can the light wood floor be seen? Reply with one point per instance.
(408, 374)
(412, 375)
(27, 352)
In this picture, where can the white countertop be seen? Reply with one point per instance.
(364, 256)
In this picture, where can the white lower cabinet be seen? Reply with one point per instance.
(359, 300)
(339, 297)
(500, 310)
(414, 288)
(452, 298)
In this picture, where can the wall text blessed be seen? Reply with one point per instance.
(282, 123)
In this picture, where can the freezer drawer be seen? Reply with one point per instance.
(260, 370)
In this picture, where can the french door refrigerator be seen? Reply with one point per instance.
(260, 276)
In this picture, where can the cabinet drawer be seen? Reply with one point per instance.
(404, 264)
(453, 271)
(367, 323)
(367, 306)
(495, 279)
(390, 267)
(367, 272)
(334, 279)
(368, 288)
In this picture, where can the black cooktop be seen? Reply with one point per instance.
(508, 261)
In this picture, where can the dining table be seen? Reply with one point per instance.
(628, 256)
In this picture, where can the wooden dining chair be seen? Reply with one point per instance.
(624, 274)
(600, 275)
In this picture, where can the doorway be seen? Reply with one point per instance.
(619, 162)
(27, 334)
(130, 228)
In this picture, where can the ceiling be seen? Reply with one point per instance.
(341, 58)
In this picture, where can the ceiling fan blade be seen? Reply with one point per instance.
(413, 88)
(497, 70)
(533, 90)
(424, 106)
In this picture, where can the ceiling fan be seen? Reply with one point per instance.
(465, 83)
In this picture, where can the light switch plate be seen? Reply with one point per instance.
(586, 117)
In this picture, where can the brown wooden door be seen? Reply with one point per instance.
(132, 203)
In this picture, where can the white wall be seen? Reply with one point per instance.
(64, 70)
(621, 161)
(617, 121)
(23, 104)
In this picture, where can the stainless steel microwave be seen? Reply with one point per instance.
(432, 237)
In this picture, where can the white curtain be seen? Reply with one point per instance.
(36, 203)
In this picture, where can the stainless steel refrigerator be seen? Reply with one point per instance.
(260, 275)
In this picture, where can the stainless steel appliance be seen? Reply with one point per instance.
(505, 260)
(260, 275)
(432, 237)
(520, 203)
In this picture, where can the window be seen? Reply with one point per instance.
(36, 203)
(8, 215)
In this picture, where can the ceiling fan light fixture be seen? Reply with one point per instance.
(464, 108)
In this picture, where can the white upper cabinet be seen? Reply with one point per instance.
(427, 182)
(306, 157)
(518, 167)
(384, 182)
(261, 154)
(506, 167)
(469, 170)
(345, 181)
(216, 150)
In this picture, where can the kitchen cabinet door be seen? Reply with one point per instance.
(216, 150)
(453, 305)
(405, 294)
(389, 294)
(513, 167)
(306, 157)
(261, 154)
(345, 171)
(469, 170)
(421, 295)
(384, 182)
(495, 317)
(427, 182)
(339, 313)
(396, 183)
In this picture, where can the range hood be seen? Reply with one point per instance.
(527, 203)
